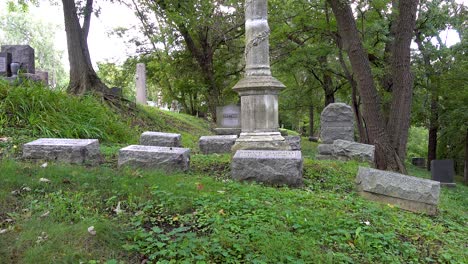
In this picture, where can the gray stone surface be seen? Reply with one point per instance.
(163, 158)
(5, 61)
(160, 139)
(216, 144)
(325, 149)
(443, 171)
(227, 131)
(261, 141)
(23, 54)
(270, 167)
(410, 193)
(75, 151)
(228, 116)
(294, 142)
(337, 122)
(350, 150)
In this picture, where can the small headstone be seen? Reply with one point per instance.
(409, 193)
(75, 151)
(216, 144)
(228, 116)
(337, 122)
(43, 76)
(22, 54)
(141, 83)
(268, 166)
(5, 61)
(160, 139)
(419, 162)
(294, 142)
(349, 150)
(443, 171)
(163, 158)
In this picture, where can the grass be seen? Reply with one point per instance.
(204, 216)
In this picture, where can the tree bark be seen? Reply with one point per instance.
(400, 112)
(311, 121)
(386, 157)
(83, 78)
(466, 158)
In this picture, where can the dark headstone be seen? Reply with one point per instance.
(419, 162)
(443, 171)
(22, 54)
(5, 61)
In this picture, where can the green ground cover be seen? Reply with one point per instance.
(201, 216)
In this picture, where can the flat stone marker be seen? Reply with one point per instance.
(294, 142)
(164, 158)
(409, 193)
(216, 144)
(443, 171)
(350, 150)
(75, 151)
(271, 167)
(160, 139)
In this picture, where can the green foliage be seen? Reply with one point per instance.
(417, 142)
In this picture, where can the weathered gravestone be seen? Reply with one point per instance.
(228, 120)
(75, 151)
(294, 142)
(349, 150)
(141, 84)
(216, 144)
(163, 158)
(443, 171)
(22, 54)
(160, 139)
(270, 167)
(337, 122)
(5, 61)
(409, 193)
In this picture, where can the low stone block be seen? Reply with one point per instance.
(325, 149)
(268, 166)
(227, 131)
(160, 139)
(163, 158)
(409, 193)
(75, 151)
(294, 142)
(347, 150)
(216, 144)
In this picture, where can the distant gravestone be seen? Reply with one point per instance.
(22, 54)
(228, 120)
(337, 122)
(443, 171)
(270, 167)
(419, 162)
(163, 158)
(5, 61)
(75, 151)
(160, 139)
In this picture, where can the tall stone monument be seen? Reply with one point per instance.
(258, 89)
(141, 83)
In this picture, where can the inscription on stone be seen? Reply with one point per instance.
(3, 64)
(268, 154)
(228, 116)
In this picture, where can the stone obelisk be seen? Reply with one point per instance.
(258, 89)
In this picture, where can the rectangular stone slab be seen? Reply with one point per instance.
(268, 166)
(216, 144)
(160, 139)
(410, 193)
(443, 171)
(164, 158)
(75, 151)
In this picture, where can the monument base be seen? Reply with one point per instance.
(261, 141)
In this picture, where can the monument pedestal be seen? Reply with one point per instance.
(261, 141)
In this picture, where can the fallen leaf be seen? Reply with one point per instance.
(117, 210)
(26, 189)
(221, 212)
(45, 214)
(91, 230)
(221, 192)
(199, 186)
(44, 165)
(44, 180)
(3, 231)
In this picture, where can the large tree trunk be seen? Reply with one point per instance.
(83, 78)
(400, 112)
(386, 156)
(311, 121)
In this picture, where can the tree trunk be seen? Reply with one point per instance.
(466, 158)
(311, 121)
(327, 83)
(433, 129)
(400, 112)
(385, 156)
(83, 78)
